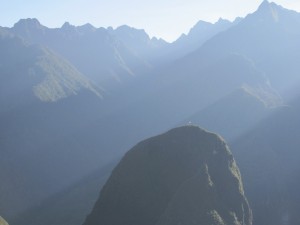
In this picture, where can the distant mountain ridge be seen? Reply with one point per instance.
(198, 35)
(128, 51)
(105, 56)
(38, 71)
(268, 37)
(60, 123)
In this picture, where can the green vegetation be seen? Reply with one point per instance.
(60, 80)
(184, 176)
(39, 71)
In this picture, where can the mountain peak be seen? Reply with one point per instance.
(126, 29)
(264, 4)
(86, 28)
(267, 12)
(32, 23)
(160, 179)
(200, 26)
(267, 6)
(126, 32)
(222, 21)
(202, 23)
(67, 25)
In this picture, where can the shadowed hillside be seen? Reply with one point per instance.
(184, 176)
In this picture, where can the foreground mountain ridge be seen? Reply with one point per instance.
(184, 176)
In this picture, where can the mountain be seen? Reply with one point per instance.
(2, 221)
(70, 206)
(248, 53)
(107, 56)
(40, 96)
(35, 71)
(49, 143)
(189, 86)
(268, 37)
(139, 42)
(184, 176)
(236, 113)
(268, 157)
(198, 35)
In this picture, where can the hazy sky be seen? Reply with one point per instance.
(161, 18)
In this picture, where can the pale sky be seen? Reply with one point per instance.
(167, 19)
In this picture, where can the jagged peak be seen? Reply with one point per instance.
(222, 21)
(88, 25)
(238, 19)
(267, 11)
(267, 6)
(202, 23)
(199, 26)
(264, 4)
(29, 22)
(67, 25)
(87, 28)
(159, 40)
(128, 28)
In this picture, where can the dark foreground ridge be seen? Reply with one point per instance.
(184, 176)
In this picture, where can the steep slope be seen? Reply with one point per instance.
(106, 56)
(259, 52)
(70, 206)
(235, 113)
(197, 36)
(36, 71)
(268, 157)
(40, 99)
(184, 176)
(139, 42)
(269, 37)
(188, 87)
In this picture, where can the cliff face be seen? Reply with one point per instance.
(184, 176)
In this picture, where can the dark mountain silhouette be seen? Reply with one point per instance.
(185, 175)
